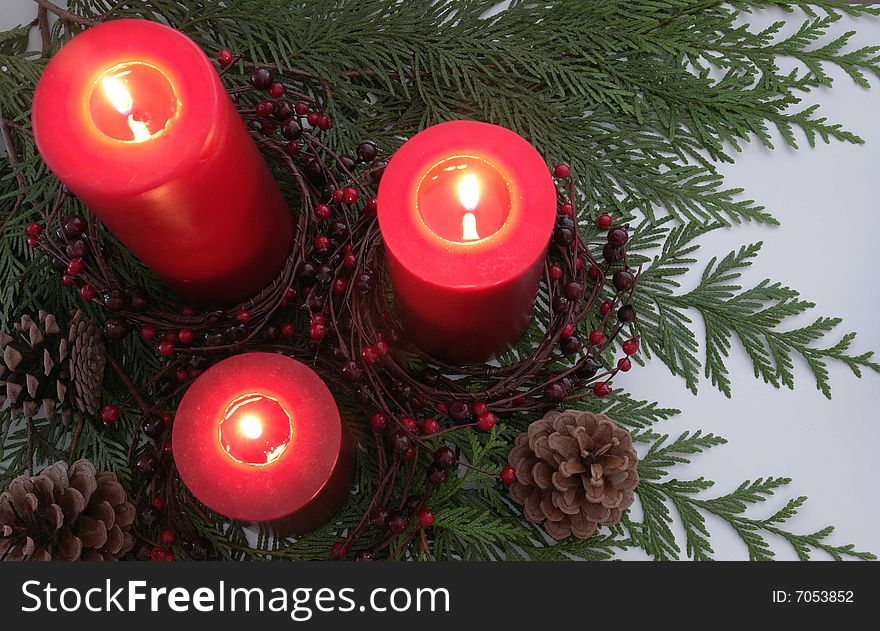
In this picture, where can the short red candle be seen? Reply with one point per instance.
(258, 438)
(133, 118)
(466, 211)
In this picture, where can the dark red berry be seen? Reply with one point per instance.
(611, 254)
(594, 273)
(631, 347)
(312, 118)
(366, 151)
(33, 242)
(571, 345)
(605, 221)
(88, 292)
(573, 290)
(301, 108)
(602, 388)
(277, 90)
(444, 457)
(291, 130)
(378, 422)
(116, 329)
(147, 464)
(73, 227)
(157, 553)
(115, 299)
(167, 536)
(76, 249)
(138, 299)
(185, 336)
(566, 209)
(165, 348)
(110, 414)
(507, 475)
(437, 475)
(400, 442)
(627, 313)
(224, 57)
(624, 280)
(618, 237)
(486, 421)
(379, 518)
(397, 522)
(152, 424)
(554, 392)
(430, 426)
(325, 122)
(381, 347)
(265, 108)
(426, 517)
(562, 170)
(148, 332)
(624, 364)
(460, 410)
(555, 272)
(261, 78)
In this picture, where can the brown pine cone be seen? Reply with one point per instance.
(88, 357)
(67, 513)
(43, 370)
(575, 471)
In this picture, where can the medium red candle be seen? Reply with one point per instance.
(258, 438)
(132, 117)
(466, 211)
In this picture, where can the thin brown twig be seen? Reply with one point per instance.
(64, 14)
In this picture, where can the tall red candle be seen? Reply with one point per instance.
(258, 438)
(466, 211)
(133, 118)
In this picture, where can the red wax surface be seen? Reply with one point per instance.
(133, 118)
(466, 211)
(258, 438)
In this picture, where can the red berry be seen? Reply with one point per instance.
(243, 316)
(194, 372)
(381, 347)
(110, 414)
(224, 57)
(171, 336)
(169, 556)
(479, 408)
(165, 348)
(158, 503)
(277, 90)
(67, 280)
(594, 273)
(265, 108)
(426, 517)
(322, 211)
(507, 475)
(602, 388)
(519, 400)
(301, 108)
(292, 147)
(312, 118)
(605, 307)
(442, 408)
(409, 424)
(567, 331)
(596, 337)
(288, 329)
(318, 318)
(349, 195)
(167, 536)
(566, 209)
(322, 243)
(371, 207)
(88, 292)
(182, 375)
(486, 421)
(370, 356)
(157, 553)
(624, 364)
(188, 311)
(339, 286)
(631, 347)
(339, 549)
(75, 267)
(409, 454)
(34, 229)
(377, 421)
(350, 261)
(562, 170)
(555, 272)
(317, 331)
(148, 332)
(185, 336)
(578, 264)
(324, 122)
(33, 242)
(605, 221)
(430, 426)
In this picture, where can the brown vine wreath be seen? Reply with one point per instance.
(334, 290)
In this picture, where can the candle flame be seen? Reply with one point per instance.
(122, 102)
(251, 427)
(469, 196)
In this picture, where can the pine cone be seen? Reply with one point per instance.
(575, 471)
(70, 514)
(42, 369)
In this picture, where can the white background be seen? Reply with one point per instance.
(825, 199)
